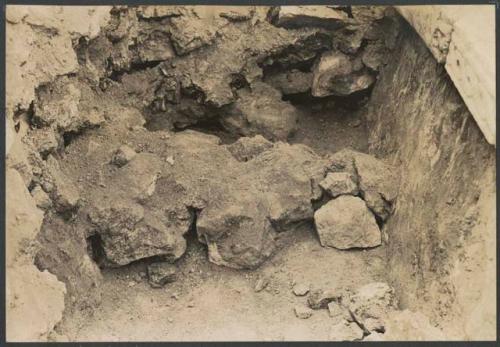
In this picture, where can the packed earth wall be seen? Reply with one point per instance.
(419, 122)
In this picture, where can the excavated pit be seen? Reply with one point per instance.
(205, 176)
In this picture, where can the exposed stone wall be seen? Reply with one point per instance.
(440, 238)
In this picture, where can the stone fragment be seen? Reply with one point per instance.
(160, 274)
(42, 200)
(337, 74)
(346, 223)
(374, 55)
(368, 14)
(123, 155)
(378, 182)
(345, 331)
(151, 11)
(303, 16)
(58, 106)
(302, 312)
(261, 111)
(64, 192)
(300, 289)
(63, 251)
(189, 32)
(237, 13)
(261, 284)
(339, 312)
(246, 148)
(154, 46)
(291, 82)
(319, 298)
(44, 141)
(371, 303)
(407, 326)
(349, 38)
(339, 183)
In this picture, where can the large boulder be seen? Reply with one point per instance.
(260, 110)
(346, 223)
(339, 74)
(127, 218)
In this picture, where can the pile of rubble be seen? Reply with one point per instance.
(187, 65)
(116, 190)
(369, 313)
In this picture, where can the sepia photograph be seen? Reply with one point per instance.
(208, 173)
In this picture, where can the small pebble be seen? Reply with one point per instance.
(300, 289)
(303, 312)
(261, 284)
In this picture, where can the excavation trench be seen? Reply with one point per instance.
(247, 176)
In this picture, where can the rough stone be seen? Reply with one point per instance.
(337, 74)
(300, 289)
(44, 141)
(160, 274)
(349, 38)
(371, 303)
(261, 111)
(346, 223)
(374, 55)
(154, 46)
(128, 228)
(246, 148)
(378, 182)
(58, 106)
(345, 331)
(123, 155)
(261, 284)
(300, 16)
(303, 312)
(291, 82)
(189, 34)
(339, 183)
(63, 252)
(42, 200)
(319, 298)
(64, 193)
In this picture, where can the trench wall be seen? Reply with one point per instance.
(441, 238)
